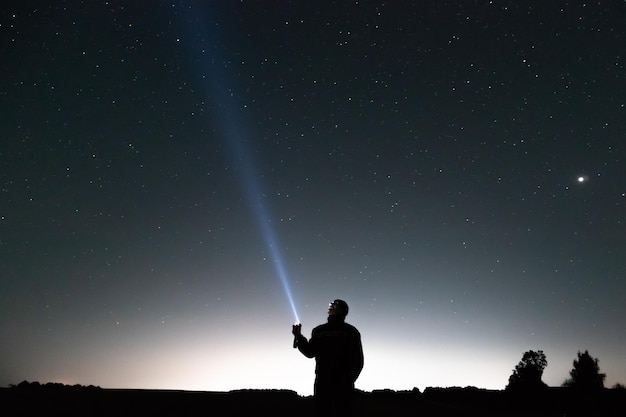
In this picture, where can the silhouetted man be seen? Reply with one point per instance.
(336, 347)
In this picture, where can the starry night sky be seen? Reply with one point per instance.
(175, 175)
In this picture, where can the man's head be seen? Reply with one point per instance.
(338, 308)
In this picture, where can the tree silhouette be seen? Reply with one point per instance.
(527, 374)
(585, 375)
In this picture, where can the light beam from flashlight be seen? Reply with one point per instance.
(255, 199)
(220, 88)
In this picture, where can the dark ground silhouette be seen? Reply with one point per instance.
(33, 399)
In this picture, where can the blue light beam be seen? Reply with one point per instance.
(207, 50)
(264, 221)
(249, 180)
(255, 197)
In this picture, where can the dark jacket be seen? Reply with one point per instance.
(336, 347)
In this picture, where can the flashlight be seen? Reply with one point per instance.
(296, 330)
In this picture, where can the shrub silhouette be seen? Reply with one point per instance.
(585, 375)
(527, 374)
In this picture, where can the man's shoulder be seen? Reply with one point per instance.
(351, 328)
(342, 327)
(320, 327)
